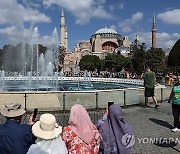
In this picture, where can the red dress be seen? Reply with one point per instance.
(76, 145)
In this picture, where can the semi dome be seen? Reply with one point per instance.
(123, 49)
(105, 31)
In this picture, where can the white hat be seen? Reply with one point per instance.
(46, 128)
(12, 109)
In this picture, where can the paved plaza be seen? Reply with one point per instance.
(152, 128)
(150, 125)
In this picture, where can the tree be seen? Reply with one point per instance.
(110, 62)
(60, 57)
(155, 58)
(127, 64)
(116, 62)
(9, 54)
(174, 56)
(90, 63)
(42, 49)
(138, 56)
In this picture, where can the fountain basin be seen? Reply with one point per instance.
(90, 99)
(66, 83)
(50, 99)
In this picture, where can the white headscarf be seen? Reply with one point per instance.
(55, 146)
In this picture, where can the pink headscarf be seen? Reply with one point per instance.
(81, 123)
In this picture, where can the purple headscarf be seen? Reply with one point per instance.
(117, 135)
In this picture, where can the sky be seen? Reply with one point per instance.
(85, 17)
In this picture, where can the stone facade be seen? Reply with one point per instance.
(104, 41)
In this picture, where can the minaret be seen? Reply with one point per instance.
(137, 36)
(66, 39)
(62, 29)
(154, 33)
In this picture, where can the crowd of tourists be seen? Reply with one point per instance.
(165, 78)
(103, 74)
(80, 136)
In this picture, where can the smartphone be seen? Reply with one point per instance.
(34, 114)
(110, 103)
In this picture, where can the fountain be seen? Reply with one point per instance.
(35, 71)
(87, 79)
(2, 79)
(35, 84)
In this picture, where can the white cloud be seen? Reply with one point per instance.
(50, 40)
(30, 3)
(83, 10)
(113, 27)
(121, 6)
(34, 16)
(13, 13)
(13, 16)
(17, 34)
(136, 17)
(166, 40)
(170, 17)
(113, 7)
(126, 25)
(163, 40)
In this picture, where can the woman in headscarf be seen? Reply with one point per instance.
(81, 135)
(116, 135)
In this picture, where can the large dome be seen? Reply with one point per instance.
(105, 31)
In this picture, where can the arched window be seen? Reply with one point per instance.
(109, 46)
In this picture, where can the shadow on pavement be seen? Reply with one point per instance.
(161, 123)
(165, 142)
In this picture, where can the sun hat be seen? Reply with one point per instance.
(12, 109)
(46, 128)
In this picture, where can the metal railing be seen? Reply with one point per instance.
(63, 100)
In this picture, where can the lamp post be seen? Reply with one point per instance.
(78, 71)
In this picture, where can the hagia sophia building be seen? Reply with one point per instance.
(102, 42)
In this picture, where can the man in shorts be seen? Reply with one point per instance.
(149, 84)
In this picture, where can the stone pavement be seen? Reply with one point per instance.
(152, 128)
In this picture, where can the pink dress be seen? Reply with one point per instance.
(76, 145)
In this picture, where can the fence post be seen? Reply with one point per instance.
(64, 104)
(124, 98)
(161, 95)
(25, 101)
(96, 100)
